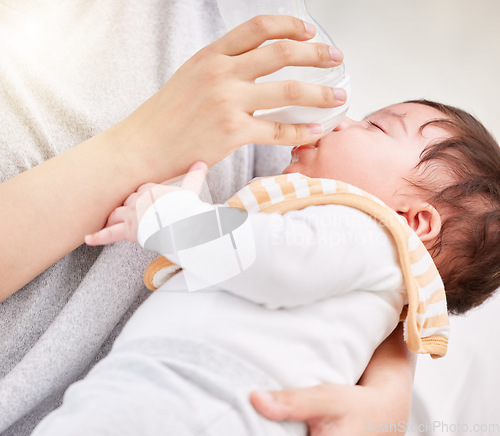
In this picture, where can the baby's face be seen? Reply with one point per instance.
(376, 154)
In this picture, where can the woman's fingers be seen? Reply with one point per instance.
(108, 235)
(293, 93)
(272, 57)
(213, 89)
(272, 132)
(302, 404)
(254, 32)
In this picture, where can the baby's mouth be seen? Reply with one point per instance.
(314, 143)
(298, 149)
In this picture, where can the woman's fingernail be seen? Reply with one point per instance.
(309, 28)
(340, 94)
(316, 129)
(335, 54)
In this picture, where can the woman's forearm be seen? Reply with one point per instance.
(394, 351)
(390, 372)
(48, 209)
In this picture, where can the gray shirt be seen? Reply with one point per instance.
(69, 70)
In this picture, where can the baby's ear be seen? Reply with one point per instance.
(424, 219)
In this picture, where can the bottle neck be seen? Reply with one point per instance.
(301, 9)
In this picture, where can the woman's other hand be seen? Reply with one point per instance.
(380, 402)
(334, 410)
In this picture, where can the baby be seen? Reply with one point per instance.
(302, 313)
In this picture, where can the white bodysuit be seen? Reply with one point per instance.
(324, 291)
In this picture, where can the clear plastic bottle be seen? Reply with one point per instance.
(235, 12)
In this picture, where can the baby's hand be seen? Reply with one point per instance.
(122, 223)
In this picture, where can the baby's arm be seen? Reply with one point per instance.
(300, 257)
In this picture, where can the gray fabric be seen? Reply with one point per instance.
(181, 387)
(91, 64)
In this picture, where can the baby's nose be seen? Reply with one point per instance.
(346, 122)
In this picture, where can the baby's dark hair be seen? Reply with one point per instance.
(467, 250)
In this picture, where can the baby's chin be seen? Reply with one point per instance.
(292, 169)
(292, 166)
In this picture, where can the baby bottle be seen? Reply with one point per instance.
(235, 12)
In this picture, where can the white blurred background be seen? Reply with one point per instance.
(395, 50)
(448, 51)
